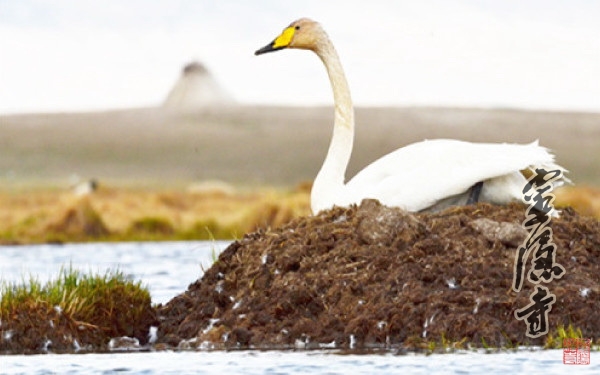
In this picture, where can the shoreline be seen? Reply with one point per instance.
(208, 210)
(315, 270)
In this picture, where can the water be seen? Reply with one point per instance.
(168, 268)
(547, 362)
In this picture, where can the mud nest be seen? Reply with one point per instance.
(373, 276)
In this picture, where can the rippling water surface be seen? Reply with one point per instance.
(168, 268)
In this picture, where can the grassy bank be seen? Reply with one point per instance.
(76, 311)
(136, 214)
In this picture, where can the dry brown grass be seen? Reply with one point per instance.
(52, 215)
(584, 199)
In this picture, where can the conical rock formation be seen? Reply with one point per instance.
(196, 88)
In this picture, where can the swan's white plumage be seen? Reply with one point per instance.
(440, 172)
(427, 175)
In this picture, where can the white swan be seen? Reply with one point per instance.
(428, 175)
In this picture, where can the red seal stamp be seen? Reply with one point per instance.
(576, 351)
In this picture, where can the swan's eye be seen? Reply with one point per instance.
(297, 27)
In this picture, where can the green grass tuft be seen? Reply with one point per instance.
(152, 225)
(555, 340)
(74, 293)
(75, 310)
(211, 230)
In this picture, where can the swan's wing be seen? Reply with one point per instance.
(419, 175)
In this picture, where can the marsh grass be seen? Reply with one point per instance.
(139, 214)
(554, 340)
(211, 229)
(73, 293)
(584, 199)
(75, 309)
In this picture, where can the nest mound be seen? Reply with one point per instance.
(374, 276)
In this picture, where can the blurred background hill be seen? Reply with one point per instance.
(261, 145)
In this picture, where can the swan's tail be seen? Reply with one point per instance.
(545, 161)
(548, 166)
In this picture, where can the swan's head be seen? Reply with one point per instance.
(302, 34)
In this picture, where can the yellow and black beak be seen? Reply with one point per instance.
(268, 48)
(281, 42)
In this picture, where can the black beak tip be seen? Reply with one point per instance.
(268, 48)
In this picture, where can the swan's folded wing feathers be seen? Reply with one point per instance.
(419, 175)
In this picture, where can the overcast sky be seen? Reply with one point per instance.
(64, 55)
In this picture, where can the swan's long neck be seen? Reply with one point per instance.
(328, 187)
